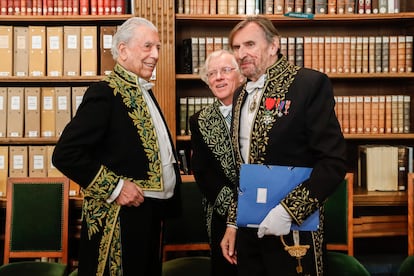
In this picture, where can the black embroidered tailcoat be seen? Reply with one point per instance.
(214, 169)
(111, 137)
(296, 125)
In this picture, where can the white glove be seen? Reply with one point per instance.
(277, 222)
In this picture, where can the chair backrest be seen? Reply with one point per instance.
(24, 268)
(341, 264)
(187, 232)
(407, 267)
(187, 266)
(338, 224)
(410, 203)
(37, 218)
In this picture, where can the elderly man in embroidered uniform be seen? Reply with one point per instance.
(285, 116)
(119, 150)
(213, 161)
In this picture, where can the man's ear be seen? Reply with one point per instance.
(275, 46)
(122, 51)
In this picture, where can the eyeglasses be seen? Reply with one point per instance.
(223, 71)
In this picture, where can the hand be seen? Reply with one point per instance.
(228, 245)
(130, 195)
(277, 222)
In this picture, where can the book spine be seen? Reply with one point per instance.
(365, 54)
(360, 114)
(401, 54)
(409, 53)
(334, 49)
(407, 114)
(371, 54)
(315, 51)
(307, 51)
(321, 6)
(388, 114)
(321, 55)
(289, 6)
(299, 6)
(374, 114)
(328, 54)
(347, 54)
(385, 54)
(352, 115)
(299, 51)
(381, 114)
(345, 114)
(291, 49)
(340, 54)
(308, 6)
(393, 54)
(367, 114)
(268, 7)
(332, 9)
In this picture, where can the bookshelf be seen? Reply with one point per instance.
(374, 220)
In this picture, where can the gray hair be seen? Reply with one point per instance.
(126, 31)
(215, 54)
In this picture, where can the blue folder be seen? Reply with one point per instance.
(262, 187)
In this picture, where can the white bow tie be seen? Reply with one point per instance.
(225, 109)
(145, 84)
(252, 85)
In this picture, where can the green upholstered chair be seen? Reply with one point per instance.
(74, 273)
(187, 266)
(37, 218)
(338, 210)
(407, 267)
(32, 268)
(341, 264)
(188, 232)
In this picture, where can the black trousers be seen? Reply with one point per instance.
(219, 265)
(267, 256)
(140, 241)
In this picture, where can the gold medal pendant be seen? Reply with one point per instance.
(252, 106)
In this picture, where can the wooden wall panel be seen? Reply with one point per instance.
(162, 14)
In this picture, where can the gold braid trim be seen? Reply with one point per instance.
(126, 84)
(111, 244)
(299, 205)
(217, 137)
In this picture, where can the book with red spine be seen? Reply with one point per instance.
(120, 6)
(84, 6)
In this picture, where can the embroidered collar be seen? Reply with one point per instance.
(127, 76)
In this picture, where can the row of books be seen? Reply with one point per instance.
(351, 54)
(384, 167)
(34, 112)
(328, 54)
(56, 51)
(374, 114)
(250, 7)
(29, 161)
(196, 49)
(188, 106)
(63, 7)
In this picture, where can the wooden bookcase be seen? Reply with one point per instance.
(170, 84)
(377, 214)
